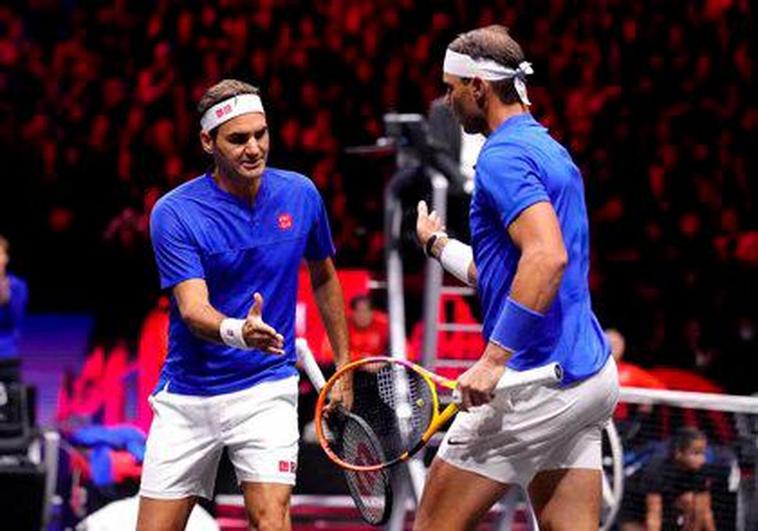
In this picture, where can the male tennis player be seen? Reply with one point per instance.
(224, 243)
(529, 262)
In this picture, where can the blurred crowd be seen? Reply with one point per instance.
(656, 101)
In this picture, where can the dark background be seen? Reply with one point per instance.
(655, 100)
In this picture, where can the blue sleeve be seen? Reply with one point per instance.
(19, 299)
(176, 256)
(510, 181)
(319, 245)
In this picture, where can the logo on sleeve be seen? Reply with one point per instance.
(284, 221)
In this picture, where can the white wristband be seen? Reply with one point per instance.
(456, 257)
(231, 333)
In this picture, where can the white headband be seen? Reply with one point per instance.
(230, 108)
(462, 65)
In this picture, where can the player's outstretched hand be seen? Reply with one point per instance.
(258, 334)
(426, 223)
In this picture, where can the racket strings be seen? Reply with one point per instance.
(355, 443)
(410, 397)
(396, 403)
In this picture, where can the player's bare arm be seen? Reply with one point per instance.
(537, 234)
(205, 321)
(331, 305)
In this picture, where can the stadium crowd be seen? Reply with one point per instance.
(656, 100)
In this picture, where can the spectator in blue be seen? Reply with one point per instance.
(13, 297)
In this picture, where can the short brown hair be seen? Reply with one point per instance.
(4, 244)
(495, 43)
(224, 89)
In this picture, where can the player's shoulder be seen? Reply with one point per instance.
(500, 147)
(185, 192)
(501, 152)
(291, 183)
(288, 178)
(197, 187)
(177, 202)
(528, 146)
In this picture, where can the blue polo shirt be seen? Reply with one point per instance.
(11, 316)
(200, 231)
(521, 164)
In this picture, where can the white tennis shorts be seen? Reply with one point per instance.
(535, 428)
(258, 427)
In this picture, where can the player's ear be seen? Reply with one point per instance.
(206, 141)
(479, 89)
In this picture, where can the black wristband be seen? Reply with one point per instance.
(430, 244)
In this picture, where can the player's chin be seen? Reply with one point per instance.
(251, 171)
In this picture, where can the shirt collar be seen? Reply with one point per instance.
(513, 122)
(262, 191)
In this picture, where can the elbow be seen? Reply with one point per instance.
(191, 316)
(187, 313)
(552, 262)
(559, 262)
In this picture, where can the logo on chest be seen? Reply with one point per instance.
(284, 221)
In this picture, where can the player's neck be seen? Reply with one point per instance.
(245, 189)
(500, 112)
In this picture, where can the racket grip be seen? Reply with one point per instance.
(547, 374)
(310, 366)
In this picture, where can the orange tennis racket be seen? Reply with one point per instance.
(353, 440)
(400, 402)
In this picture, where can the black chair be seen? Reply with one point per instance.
(16, 428)
(28, 457)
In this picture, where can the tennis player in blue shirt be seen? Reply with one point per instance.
(225, 242)
(529, 261)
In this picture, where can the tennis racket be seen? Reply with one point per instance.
(400, 403)
(352, 438)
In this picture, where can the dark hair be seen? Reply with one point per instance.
(495, 43)
(4, 244)
(685, 436)
(221, 91)
(362, 297)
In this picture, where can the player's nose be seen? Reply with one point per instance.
(253, 147)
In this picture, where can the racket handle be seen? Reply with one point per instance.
(547, 374)
(310, 366)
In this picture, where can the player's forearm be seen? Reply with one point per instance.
(535, 284)
(331, 305)
(203, 320)
(437, 249)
